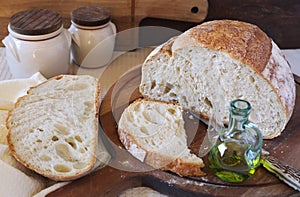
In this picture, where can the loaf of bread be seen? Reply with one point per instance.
(53, 130)
(218, 61)
(154, 133)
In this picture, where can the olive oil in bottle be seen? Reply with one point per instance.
(237, 152)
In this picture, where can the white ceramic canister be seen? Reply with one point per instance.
(92, 32)
(37, 42)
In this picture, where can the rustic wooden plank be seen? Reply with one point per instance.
(187, 11)
(279, 19)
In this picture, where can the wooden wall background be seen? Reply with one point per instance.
(280, 19)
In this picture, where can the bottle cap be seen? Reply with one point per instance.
(35, 22)
(90, 16)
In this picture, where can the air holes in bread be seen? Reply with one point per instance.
(144, 130)
(130, 116)
(54, 138)
(153, 85)
(207, 102)
(63, 151)
(168, 87)
(172, 111)
(137, 108)
(251, 79)
(223, 71)
(78, 138)
(81, 150)
(88, 104)
(79, 165)
(61, 168)
(45, 158)
(152, 142)
(173, 95)
(88, 109)
(61, 129)
(71, 142)
(57, 144)
(146, 116)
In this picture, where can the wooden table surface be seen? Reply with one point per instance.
(125, 172)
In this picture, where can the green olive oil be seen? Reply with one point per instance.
(236, 154)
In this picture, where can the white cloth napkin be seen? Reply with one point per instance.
(11, 90)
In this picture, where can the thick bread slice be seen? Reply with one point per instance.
(217, 62)
(154, 133)
(53, 130)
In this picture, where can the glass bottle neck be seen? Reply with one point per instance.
(239, 113)
(236, 122)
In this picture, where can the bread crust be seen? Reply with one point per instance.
(186, 169)
(155, 159)
(247, 44)
(44, 172)
(158, 161)
(242, 41)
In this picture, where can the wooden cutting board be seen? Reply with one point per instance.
(124, 171)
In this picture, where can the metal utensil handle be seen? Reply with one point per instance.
(286, 173)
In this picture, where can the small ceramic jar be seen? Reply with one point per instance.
(37, 42)
(92, 32)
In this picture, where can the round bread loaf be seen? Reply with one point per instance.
(219, 61)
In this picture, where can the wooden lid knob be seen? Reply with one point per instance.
(90, 16)
(35, 22)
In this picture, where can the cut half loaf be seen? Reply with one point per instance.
(53, 129)
(219, 61)
(154, 133)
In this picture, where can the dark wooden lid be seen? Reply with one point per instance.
(35, 22)
(90, 16)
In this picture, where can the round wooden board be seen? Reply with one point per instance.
(124, 171)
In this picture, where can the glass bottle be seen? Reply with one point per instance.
(237, 152)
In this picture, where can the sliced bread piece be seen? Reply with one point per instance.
(154, 133)
(217, 62)
(53, 130)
